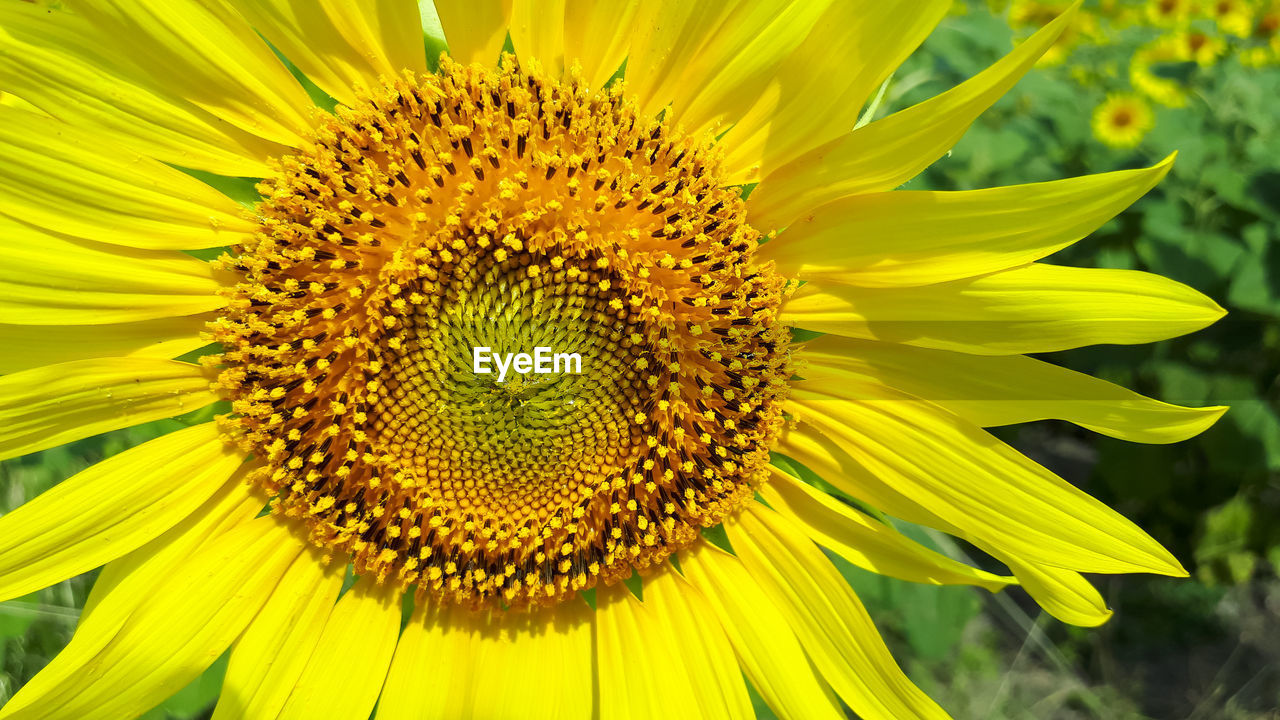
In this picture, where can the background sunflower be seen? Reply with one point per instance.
(1205, 648)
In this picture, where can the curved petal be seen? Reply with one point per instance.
(346, 669)
(865, 542)
(269, 657)
(48, 279)
(826, 616)
(340, 44)
(170, 639)
(48, 59)
(1005, 390)
(763, 638)
(668, 35)
(431, 669)
(235, 503)
(597, 36)
(637, 654)
(820, 89)
(205, 53)
(68, 180)
(895, 239)
(46, 407)
(916, 461)
(888, 152)
(537, 33)
(111, 508)
(1064, 594)
(454, 663)
(712, 667)
(557, 642)
(726, 76)
(23, 347)
(475, 29)
(1032, 309)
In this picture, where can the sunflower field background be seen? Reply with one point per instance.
(1132, 82)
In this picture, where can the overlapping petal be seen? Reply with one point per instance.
(1004, 390)
(205, 53)
(895, 239)
(342, 44)
(1032, 309)
(886, 153)
(111, 508)
(50, 279)
(68, 180)
(170, 639)
(52, 61)
(48, 406)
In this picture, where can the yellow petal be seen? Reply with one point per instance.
(111, 508)
(339, 44)
(475, 29)
(70, 181)
(454, 663)
(767, 648)
(205, 53)
(668, 35)
(1032, 309)
(186, 622)
(235, 503)
(634, 649)
(711, 666)
(820, 89)
(727, 75)
(886, 153)
(48, 406)
(50, 60)
(431, 669)
(506, 650)
(827, 617)
(904, 456)
(344, 674)
(1064, 594)
(865, 542)
(537, 33)
(1005, 390)
(23, 347)
(50, 279)
(269, 657)
(597, 35)
(917, 238)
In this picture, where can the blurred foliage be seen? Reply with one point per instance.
(1206, 648)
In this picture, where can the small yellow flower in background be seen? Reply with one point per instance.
(1168, 13)
(524, 201)
(1142, 71)
(1122, 120)
(1198, 47)
(1233, 17)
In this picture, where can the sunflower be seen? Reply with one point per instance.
(621, 542)
(1122, 120)
(1168, 13)
(1144, 69)
(1234, 17)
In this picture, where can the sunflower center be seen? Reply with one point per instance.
(394, 349)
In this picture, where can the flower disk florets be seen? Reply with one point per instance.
(502, 209)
